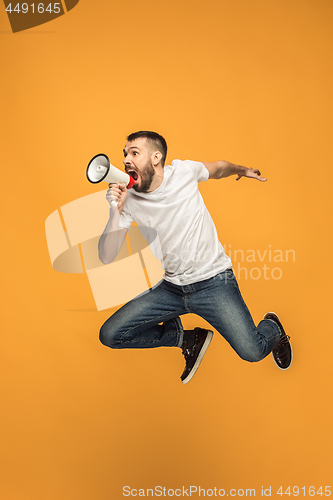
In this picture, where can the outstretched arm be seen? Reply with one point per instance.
(221, 168)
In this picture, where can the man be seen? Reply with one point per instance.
(198, 274)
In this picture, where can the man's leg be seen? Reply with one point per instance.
(137, 323)
(219, 301)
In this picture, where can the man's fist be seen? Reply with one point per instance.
(117, 193)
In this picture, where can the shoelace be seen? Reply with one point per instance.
(283, 340)
(184, 349)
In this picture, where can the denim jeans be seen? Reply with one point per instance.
(152, 318)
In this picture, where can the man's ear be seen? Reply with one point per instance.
(156, 158)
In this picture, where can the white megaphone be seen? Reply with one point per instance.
(100, 169)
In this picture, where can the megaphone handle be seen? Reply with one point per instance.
(114, 203)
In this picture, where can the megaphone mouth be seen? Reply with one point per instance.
(101, 177)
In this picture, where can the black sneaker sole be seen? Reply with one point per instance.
(200, 356)
(282, 330)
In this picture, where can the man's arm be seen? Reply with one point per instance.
(221, 168)
(113, 235)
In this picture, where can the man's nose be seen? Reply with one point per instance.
(126, 162)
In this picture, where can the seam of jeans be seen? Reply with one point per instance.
(144, 341)
(272, 321)
(185, 303)
(180, 332)
(157, 318)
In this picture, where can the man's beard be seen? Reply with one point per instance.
(146, 179)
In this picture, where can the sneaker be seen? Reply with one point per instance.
(194, 353)
(282, 352)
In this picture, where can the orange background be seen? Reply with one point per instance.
(246, 81)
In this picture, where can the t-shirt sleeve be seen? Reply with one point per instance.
(125, 218)
(199, 170)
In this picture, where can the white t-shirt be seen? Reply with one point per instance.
(177, 225)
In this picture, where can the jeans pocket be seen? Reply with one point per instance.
(227, 275)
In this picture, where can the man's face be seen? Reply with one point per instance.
(138, 163)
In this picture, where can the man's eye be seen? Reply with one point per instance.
(135, 152)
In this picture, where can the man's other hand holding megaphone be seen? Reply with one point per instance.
(100, 169)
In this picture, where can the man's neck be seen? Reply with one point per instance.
(157, 179)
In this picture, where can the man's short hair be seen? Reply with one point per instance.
(157, 141)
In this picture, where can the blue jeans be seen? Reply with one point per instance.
(152, 319)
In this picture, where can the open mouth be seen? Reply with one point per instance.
(133, 174)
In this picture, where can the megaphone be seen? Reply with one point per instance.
(100, 169)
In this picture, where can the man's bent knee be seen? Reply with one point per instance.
(252, 357)
(108, 337)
